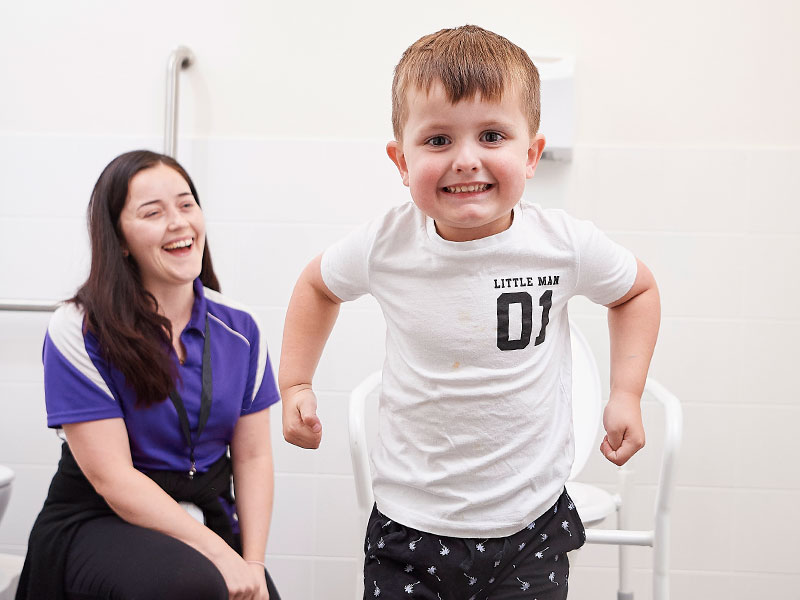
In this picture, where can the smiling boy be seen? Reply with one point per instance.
(475, 431)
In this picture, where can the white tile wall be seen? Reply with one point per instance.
(717, 225)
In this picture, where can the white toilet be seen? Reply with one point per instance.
(10, 564)
(6, 477)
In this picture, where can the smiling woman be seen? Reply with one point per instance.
(162, 221)
(150, 324)
(163, 232)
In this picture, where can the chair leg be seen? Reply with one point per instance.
(625, 591)
(661, 543)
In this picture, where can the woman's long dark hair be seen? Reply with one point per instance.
(120, 312)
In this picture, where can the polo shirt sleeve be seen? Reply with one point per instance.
(345, 265)
(606, 270)
(76, 379)
(261, 390)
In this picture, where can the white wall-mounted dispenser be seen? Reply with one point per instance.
(558, 105)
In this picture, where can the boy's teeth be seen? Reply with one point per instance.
(467, 188)
(180, 244)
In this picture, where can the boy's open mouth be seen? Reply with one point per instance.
(466, 189)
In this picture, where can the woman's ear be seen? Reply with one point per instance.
(395, 152)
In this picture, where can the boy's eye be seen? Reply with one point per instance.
(492, 137)
(437, 140)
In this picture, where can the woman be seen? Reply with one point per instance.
(153, 376)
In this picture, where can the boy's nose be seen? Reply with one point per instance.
(466, 160)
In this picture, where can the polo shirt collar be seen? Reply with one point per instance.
(199, 309)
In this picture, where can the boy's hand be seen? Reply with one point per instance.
(622, 420)
(301, 426)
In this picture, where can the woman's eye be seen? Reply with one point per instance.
(492, 137)
(438, 140)
(150, 213)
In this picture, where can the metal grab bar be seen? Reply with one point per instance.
(180, 58)
(29, 305)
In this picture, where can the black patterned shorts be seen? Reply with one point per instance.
(401, 562)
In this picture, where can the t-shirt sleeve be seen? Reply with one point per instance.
(261, 390)
(345, 264)
(606, 270)
(75, 377)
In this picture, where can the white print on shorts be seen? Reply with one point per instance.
(409, 589)
(525, 585)
(471, 580)
(377, 591)
(480, 546)
(565, 527)
(445, 550)
(540, 554)
(413, 545)
(552, 577)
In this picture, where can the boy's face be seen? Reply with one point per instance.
(466, 163)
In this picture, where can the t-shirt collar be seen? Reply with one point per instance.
(480, 244)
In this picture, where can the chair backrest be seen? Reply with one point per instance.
(587, 399)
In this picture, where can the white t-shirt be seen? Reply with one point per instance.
(475, 422)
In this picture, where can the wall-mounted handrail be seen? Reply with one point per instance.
(180, 58)
(29, 305)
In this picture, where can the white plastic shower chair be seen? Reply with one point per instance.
(594, 504)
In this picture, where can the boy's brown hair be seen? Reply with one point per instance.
(466, 60)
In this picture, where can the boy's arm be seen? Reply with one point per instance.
(310, 317)
(633, 323)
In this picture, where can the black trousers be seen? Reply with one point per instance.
(401, 562)
(111, 559)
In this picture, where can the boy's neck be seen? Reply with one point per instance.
(456, 234)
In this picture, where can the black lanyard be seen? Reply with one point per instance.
(205, 403)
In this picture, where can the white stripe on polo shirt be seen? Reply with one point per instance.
(218, 298)
(66, 332)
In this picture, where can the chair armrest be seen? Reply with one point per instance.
(673, 432)
(359, 454)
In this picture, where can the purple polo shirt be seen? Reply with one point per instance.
(81, 386)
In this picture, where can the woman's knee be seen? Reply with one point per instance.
(195, 584)
(187, 575)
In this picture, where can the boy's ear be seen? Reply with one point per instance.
(395, 152)
(535, 149)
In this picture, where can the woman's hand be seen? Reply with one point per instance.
(245, 581)
(261, 593)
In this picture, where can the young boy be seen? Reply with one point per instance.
(475, 435)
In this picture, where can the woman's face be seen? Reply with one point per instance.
(163, 228)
